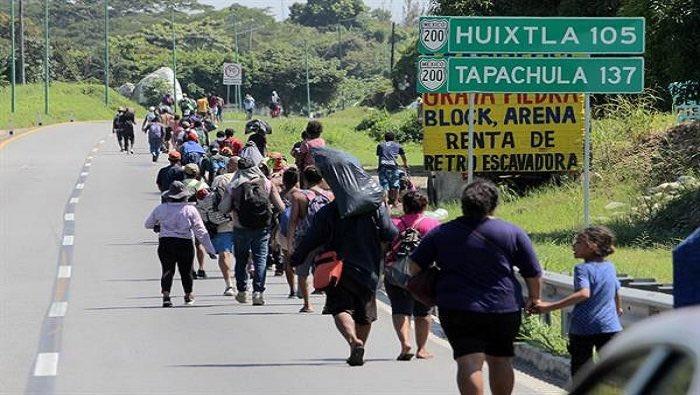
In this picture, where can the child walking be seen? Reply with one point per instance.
(595, 318)
(176, 221)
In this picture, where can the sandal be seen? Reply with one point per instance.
(405, 356)
(357, 356)
(306, 309)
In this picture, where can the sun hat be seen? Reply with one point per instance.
(174, 155)
(191, 169)
(177, 191)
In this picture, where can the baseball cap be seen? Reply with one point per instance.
(227, 151)
(191, 169)
(174, 155)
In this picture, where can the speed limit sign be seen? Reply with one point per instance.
(233, 74)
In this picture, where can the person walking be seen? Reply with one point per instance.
(313, 139)
(170, 173)
(195, 187)
(290, 181)
(403, 305)
(128, 130)
(248, 106)
(176, 221)
(596, 297)
(388, 170)
(223, 240)
(358, 240)
(305, 205)
(156, 136)
(250, 200)
(213, 164)
(231, 142)
(118, 127)
(478, 297)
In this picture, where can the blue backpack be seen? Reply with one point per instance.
(192, 157)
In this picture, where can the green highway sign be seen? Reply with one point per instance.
(480, 35)
(530, 75)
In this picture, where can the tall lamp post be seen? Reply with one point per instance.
(46, 57)
(106, 52)
(12, 57)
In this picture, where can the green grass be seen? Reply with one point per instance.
(553, 214)
(338, 131)
(79, 102)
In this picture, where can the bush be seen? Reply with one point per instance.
(404, 124)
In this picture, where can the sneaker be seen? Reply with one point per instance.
(201, 273)
(228, 291)
(131, 151)
(242, 297)
(189, 301)
(292, 295)
(167, 302)
(258, 299)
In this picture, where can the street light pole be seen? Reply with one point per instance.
(106, 52)
(308, 89)
(46, 57)
(12, 56)
(237, 89)
(172, 25)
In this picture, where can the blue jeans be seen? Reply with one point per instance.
(154, 147)
(246, 241)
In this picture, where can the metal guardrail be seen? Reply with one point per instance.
(637, 304)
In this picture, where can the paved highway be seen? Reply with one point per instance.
(80, 306)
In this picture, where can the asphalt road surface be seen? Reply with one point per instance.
(80, 306)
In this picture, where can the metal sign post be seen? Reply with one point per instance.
(470, 150)
(587, 162)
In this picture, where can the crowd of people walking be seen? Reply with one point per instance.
(325, 219)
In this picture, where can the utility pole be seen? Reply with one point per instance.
(308, 89)
(46, 57)
(12, 56)
(391, 58)
(106, 52)
(237, 89)
(22, 71)
(172, 25)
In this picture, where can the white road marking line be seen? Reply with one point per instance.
(88, 164)
(80, 186)
(69, 217)
(46, 364)
(68, 240)
(64, 271)
(90, 157)
(95, 150)
(58, 309)
(84, 174)
(74, 200)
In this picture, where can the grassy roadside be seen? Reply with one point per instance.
(339, 132)
(79, 102)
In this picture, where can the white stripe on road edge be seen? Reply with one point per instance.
(90, 158)
(58, 309)
(69, 217)
(95, 150)
(84, 174)
(46, 364)
(64, 271)
(68, 240)
(88, 164)
(80, 186)
(74, 200)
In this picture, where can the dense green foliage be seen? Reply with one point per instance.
(347, 61)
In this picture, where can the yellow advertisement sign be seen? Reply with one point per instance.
(513, 132)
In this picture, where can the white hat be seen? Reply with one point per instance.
(151, 108)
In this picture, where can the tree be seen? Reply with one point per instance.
(412, 10)
(317, 13)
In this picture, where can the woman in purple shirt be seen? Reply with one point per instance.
(478, 297)
(176, 221)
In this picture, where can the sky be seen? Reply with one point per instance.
(280, 8)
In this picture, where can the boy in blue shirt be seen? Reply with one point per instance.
(595, 318)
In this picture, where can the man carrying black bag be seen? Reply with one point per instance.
(354, 226)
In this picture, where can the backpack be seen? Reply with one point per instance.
(192, 157)
(254, 211)
(316, 202)
(396, 266)
(155, 131)
(217, 165)
(209, 210)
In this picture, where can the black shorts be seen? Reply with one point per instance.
(353, 298)
(488, 333)
(403, 303)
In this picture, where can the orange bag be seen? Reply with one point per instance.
(328, 269)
